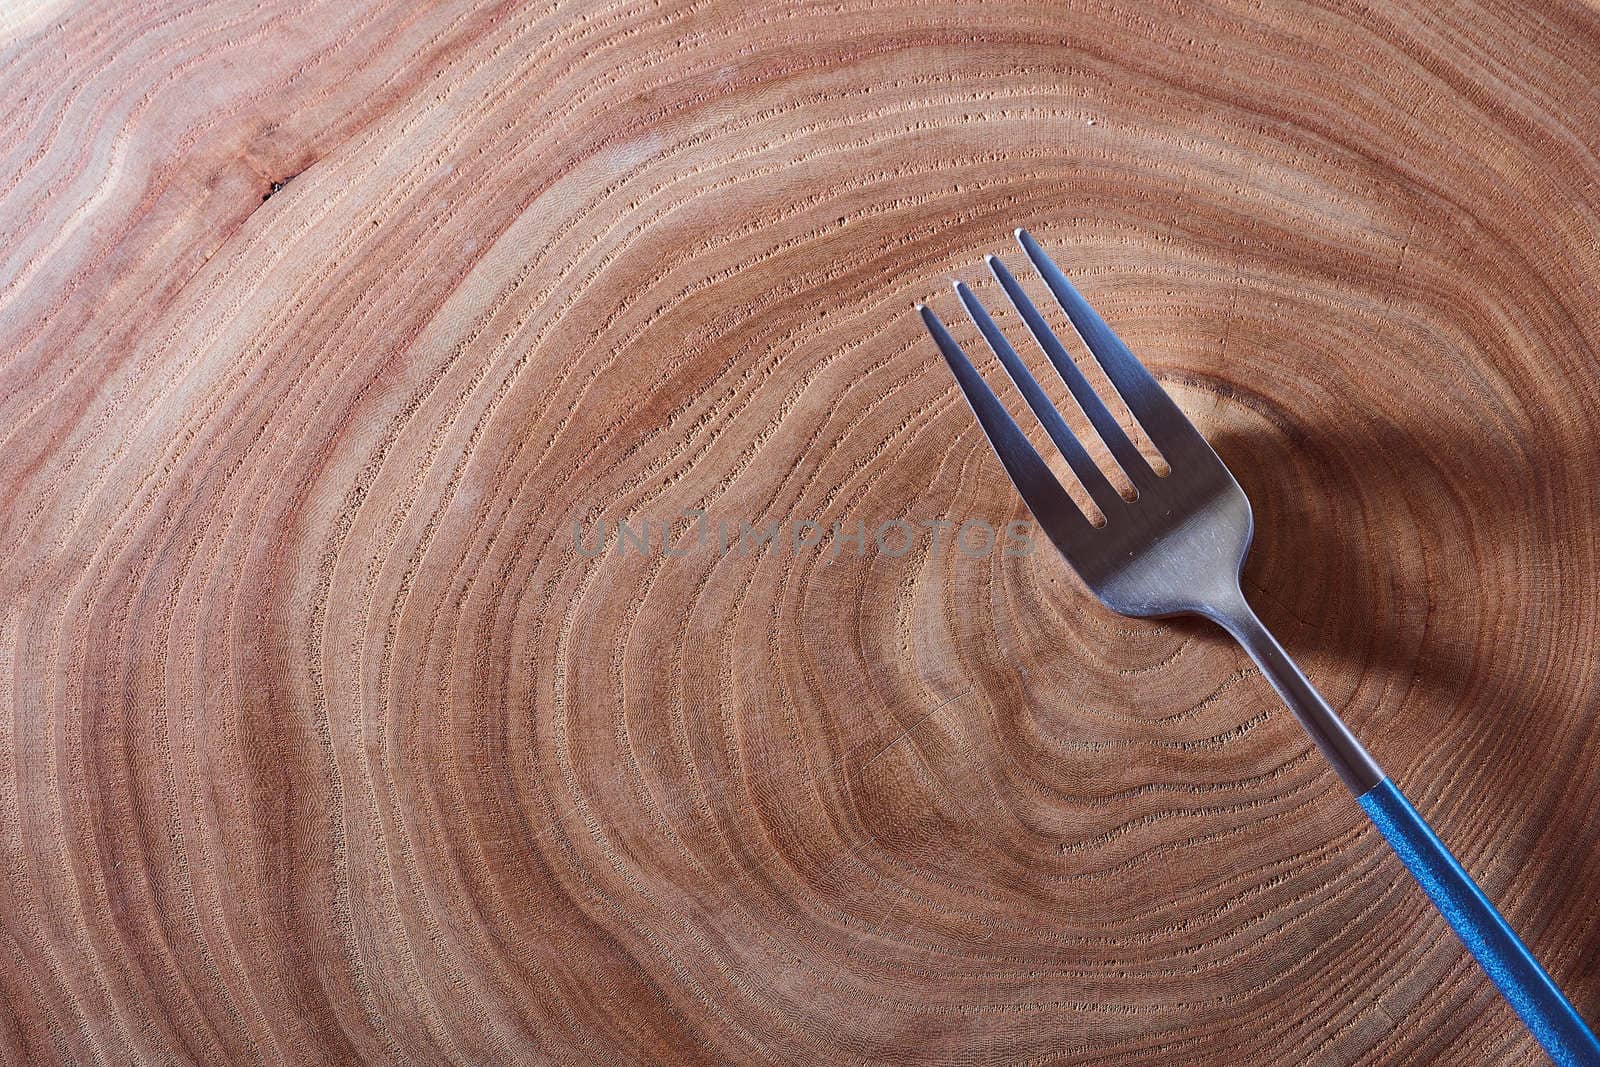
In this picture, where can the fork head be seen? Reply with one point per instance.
(1178, 546)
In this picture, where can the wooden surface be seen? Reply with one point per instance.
(323, 323)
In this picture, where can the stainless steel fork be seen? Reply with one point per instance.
(1177, 549)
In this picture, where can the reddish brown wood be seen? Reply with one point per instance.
(321, 324)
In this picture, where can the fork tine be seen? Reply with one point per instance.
(1102, 491)
(1100, 417)
(1050, 504)
(1165, 424)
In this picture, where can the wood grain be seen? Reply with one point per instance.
(321, 324)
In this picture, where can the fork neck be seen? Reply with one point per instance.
(1355, 767)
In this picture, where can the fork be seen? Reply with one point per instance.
(1177, 549)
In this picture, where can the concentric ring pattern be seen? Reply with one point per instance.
(331, 335)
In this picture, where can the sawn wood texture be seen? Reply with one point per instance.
(322, 323)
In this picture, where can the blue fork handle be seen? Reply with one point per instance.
(1503, 957)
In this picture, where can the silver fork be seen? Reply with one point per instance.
(1177, 549)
